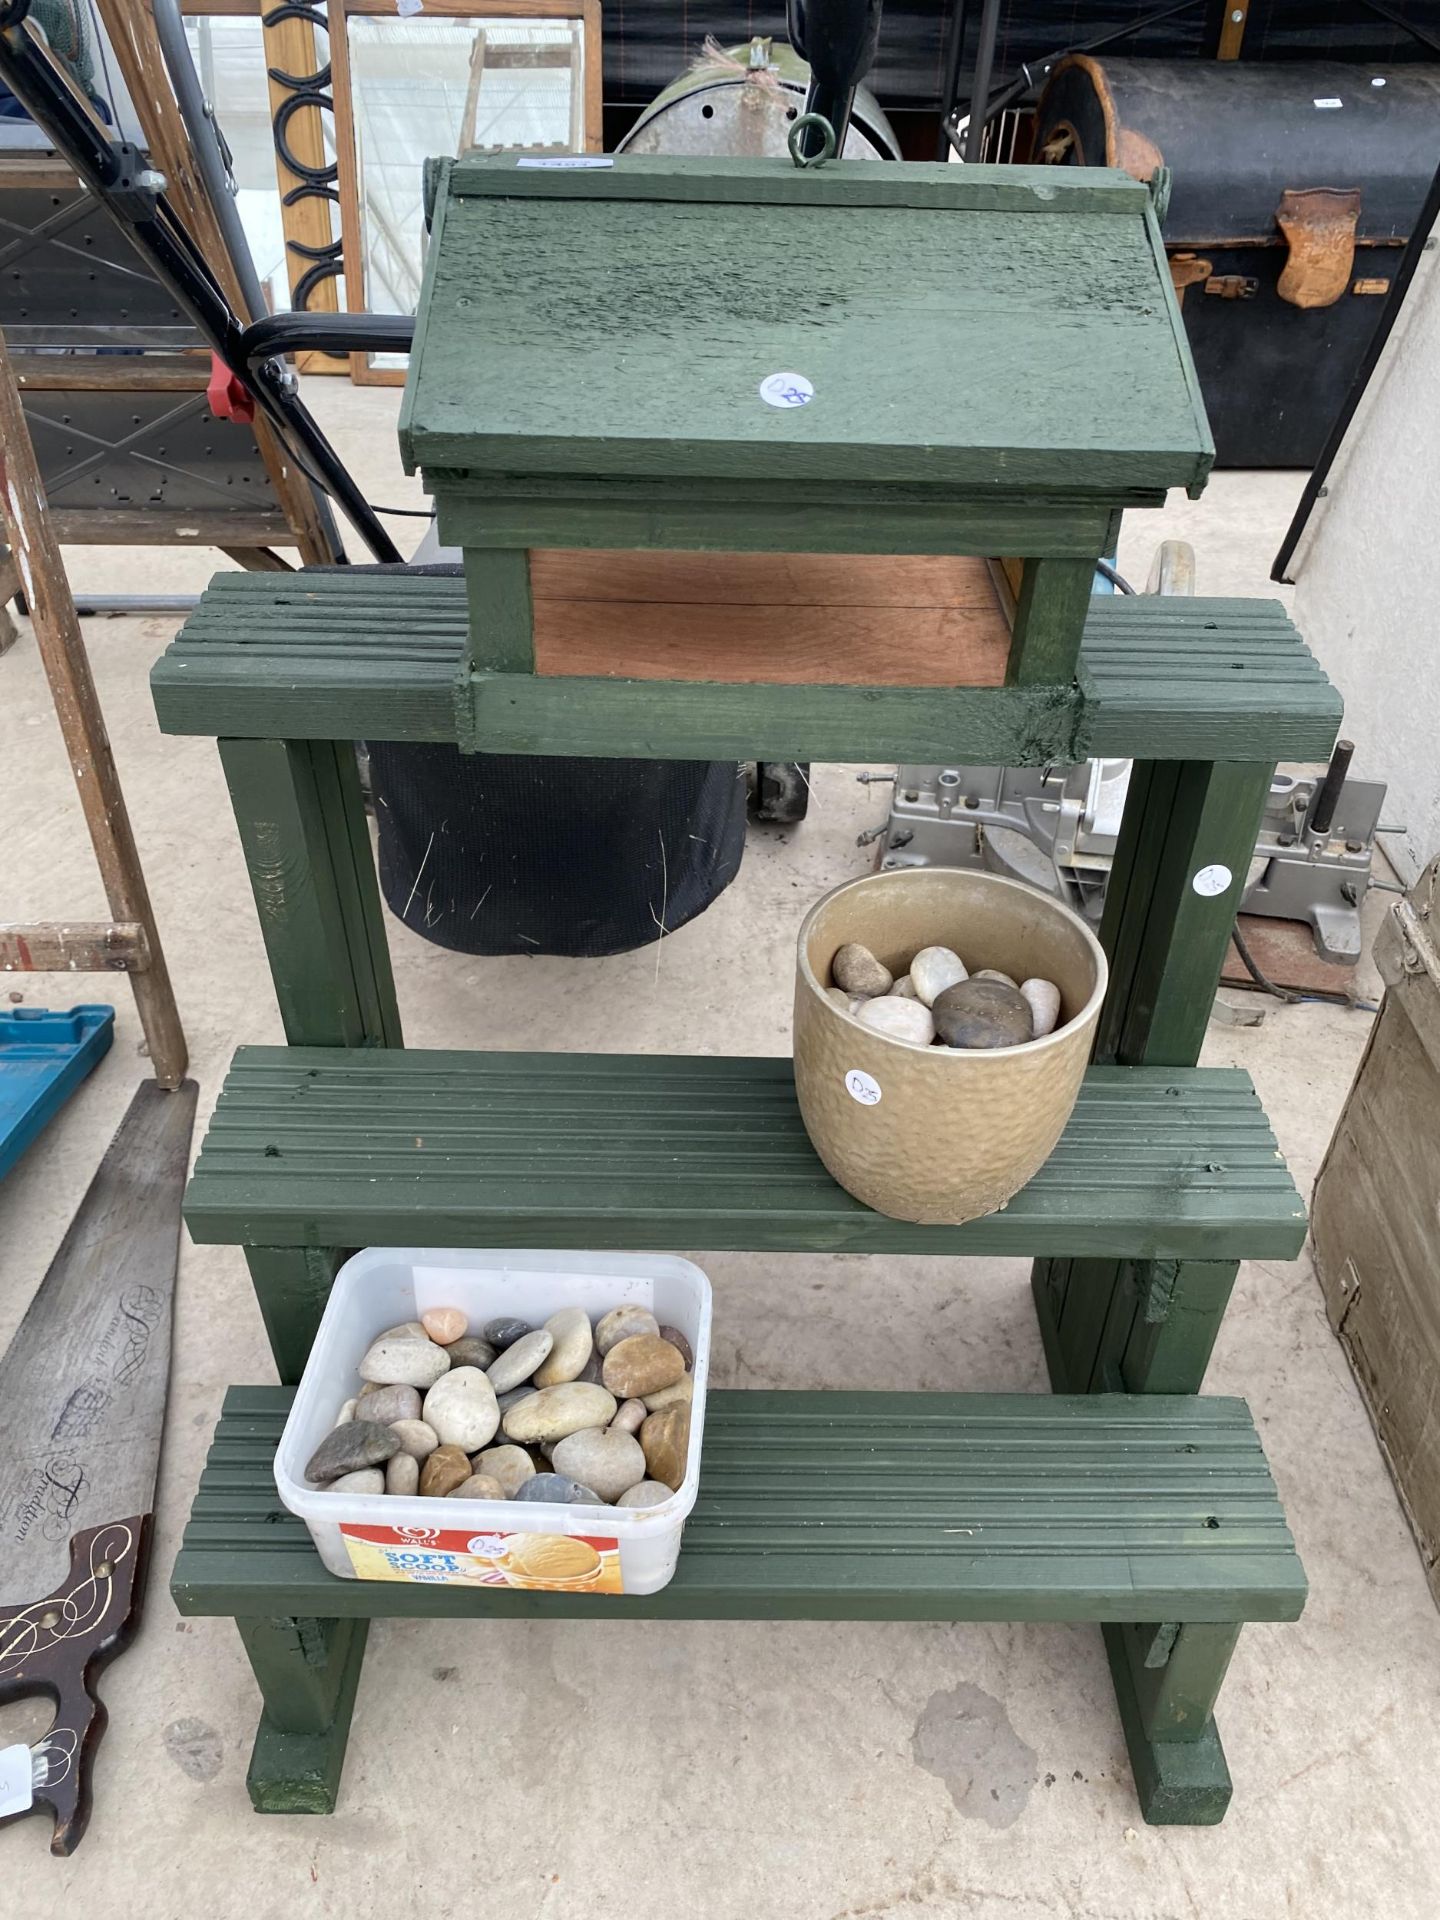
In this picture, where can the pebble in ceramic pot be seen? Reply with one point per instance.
(407, 1330)
(347, 1412)
(1043, 999)
(982, 1014)
(404, 1363)
(555, 1411)
(555, 1490)
(349, 1449)
(573, 1344)
(445, 1470)
(517, 1363)
(631, 1417)
(389, 1404)
(903, 989)
(623, 1323)
(402, 1475)
(444, 1325)
(510, 1465)
(994, 973)
(649, 1493)
(462, 1409)
(605, 1458)
(933, 970)
(838, 997)
(906, 1020)
(857, 970)
(416, 1438)
(642, 1365)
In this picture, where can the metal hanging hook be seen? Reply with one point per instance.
(827, 140)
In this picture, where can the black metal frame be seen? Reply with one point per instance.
(983, 106)
(1315, 486)
(134, 195)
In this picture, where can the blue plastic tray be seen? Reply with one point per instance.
(43, 1058)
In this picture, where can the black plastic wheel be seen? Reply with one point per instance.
(781, 793)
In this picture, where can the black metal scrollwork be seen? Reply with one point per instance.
(315, 182)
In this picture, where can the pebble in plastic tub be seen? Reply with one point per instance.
(489, 1543)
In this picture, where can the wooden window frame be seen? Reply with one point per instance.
(352, 231)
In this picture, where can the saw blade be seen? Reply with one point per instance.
(83, 1384)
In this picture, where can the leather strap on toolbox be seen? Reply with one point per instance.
(1319, 227)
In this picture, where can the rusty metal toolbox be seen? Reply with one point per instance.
(1294, 187)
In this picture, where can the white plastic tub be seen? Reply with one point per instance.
(479, 1542)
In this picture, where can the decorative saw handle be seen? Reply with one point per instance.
(56, 1646)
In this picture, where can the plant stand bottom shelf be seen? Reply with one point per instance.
(1153, 1515)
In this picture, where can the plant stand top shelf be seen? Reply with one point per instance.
(1005, 336)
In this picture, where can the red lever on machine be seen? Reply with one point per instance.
(229, 399)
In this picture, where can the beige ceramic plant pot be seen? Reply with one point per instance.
(941, 1135)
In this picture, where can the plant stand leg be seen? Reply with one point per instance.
(302, 826)
(301, 816)
(1180, 867)
(292, 1285)
(1130, 1326)
(308, 1671)
(1166, 1679)
(1149, 1326)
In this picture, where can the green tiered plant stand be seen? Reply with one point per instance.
(662, 563)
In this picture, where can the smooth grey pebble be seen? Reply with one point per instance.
(554, 1489)
(505, 1332)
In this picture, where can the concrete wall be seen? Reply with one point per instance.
(1368, 575)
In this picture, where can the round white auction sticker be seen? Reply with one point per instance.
(786, 390)
(860, 1086)
(1210, 881)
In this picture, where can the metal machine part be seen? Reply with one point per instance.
(64, 262)
(1316, 867)
(1056, 828)
(744, 100)
(1053, 827)
(133, 450)
(134, 193)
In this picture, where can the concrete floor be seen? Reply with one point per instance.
(826, 1772)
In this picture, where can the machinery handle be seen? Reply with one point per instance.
(1327, 794)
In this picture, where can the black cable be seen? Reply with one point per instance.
(1116, 579)
(1261, 979)
(1292, 999)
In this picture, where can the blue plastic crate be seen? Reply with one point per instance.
(43, 1058)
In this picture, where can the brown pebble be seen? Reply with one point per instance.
(681, 1394)
(665, 1440)
(446, 1469)
(677, 1339)
(643, 1364)
(856, 969)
